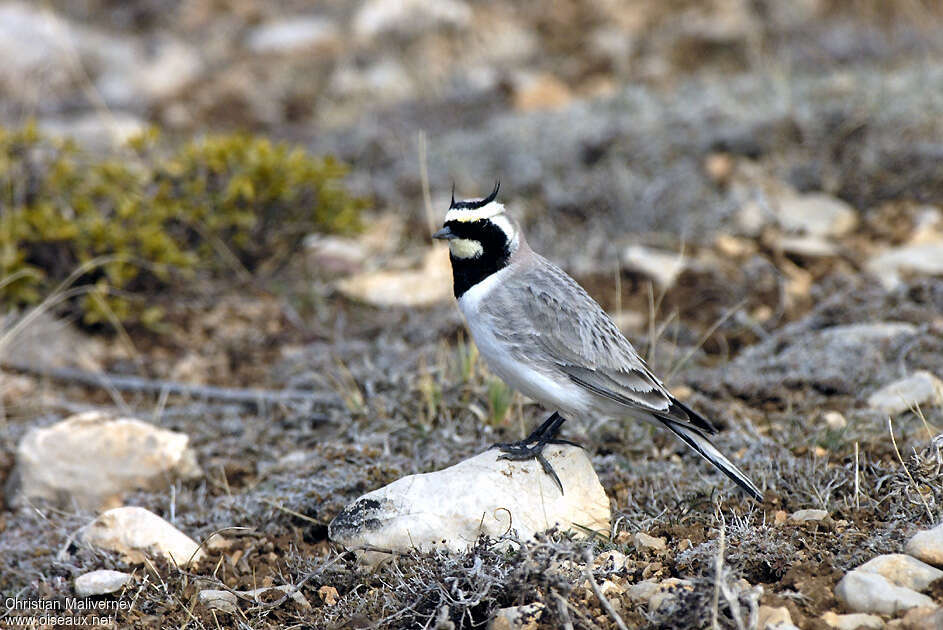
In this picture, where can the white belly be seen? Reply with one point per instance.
(555, 393)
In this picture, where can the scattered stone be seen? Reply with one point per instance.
(100, 582)
(214, 599)
(808, 516)
(661, 266)
(15, 389)
(835, 421)
(903, 570)
(923, 618)
(611, 561)
(651, 543)
(298, 34)
(408, 18)
(927, 545)
(135, 533)
(335, 254)
(295, 594)
(517, 617)
(780, 517)
(816, 214)
(482, 495)
(854, 621)
(861, 591)
(91, 460)
(920, 388)
(924, 258)
(432, 284)
(95, 131)
(770, 618)
(806, 246)
(543, 91)
(655, 594)
(328, 595)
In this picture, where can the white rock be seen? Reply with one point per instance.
(903, 570)
(91, 460)
(654, 594)
(100, 582)
(644, 541)
(612, 561)
(924, 258)
(295, 595)
(854, 621)
(920, 388)
(661, 266)
(135, 533)
(215, 599)
(385, 81)
(808, 246)
(432, 284)
(835, 421)
(170, 67)
(866, 592)
(408, 18)
(927, 545)
(808, 516)
(517, 617)
(482, 495)
(816, 214)
(770, 618)
(293, 35)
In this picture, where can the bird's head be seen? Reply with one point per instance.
(479, 230)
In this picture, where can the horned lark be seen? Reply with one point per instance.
(541, 333)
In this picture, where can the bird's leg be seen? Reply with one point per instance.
(533, 445)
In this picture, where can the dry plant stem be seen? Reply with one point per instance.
(562, 611)
(121, 382)
(718, 577)
(603, 600)
(890, 428)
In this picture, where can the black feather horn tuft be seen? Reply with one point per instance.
(475, 204)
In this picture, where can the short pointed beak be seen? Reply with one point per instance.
(444, 234)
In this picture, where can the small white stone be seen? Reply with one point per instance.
(613, 561)
(293, 35)
(219, 600)
(927, 545)
(920, 388)
(867, 592)
(854, 621)
(925, 258)
(808, 516)
(135, 533)
(100, 582)
(295, 594)
(903, 570)
(816, 214)
(835, 421)
(432, 284)
(409, 17)
(770, 618)
(808, 246)
(661, 266)
(644, 541)
(517, 617)
(483, 495)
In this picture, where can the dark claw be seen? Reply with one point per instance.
(533, 445)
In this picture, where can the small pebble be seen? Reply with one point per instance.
(644, 541)
(927, 545)
(903, 570)
(854, 621)
(219, 600)
(865, 592)
(808, 516)
(517, 617)
(100, 582)
(835, 421)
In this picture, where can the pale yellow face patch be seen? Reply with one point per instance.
(465, 248)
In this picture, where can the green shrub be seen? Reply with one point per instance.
(155, 217)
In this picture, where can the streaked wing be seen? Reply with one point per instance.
(558, 317)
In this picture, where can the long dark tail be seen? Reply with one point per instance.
(694, 438)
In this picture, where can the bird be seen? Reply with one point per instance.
(542, 334)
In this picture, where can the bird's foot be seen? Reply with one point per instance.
(533, 445)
